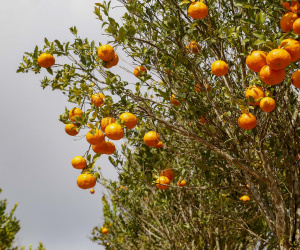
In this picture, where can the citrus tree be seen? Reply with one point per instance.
(217, 101)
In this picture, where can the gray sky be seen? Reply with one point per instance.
(36, 152)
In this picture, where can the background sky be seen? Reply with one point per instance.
(35, 151)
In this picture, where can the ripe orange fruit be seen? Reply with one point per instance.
(78, 162)
(106, 52)
(267, 104)
(174, 100)
(247, 121)
(296, 26)
(245, 198)
(161, 182)
(193, 47)
(292, 46)
(159, 145)
(168, 173)
(94, 137)
(295, 6)
(137, 70)
(278, 59)
(104, 230)
(256, 60)
(286, 5)
(198, 87)
(296, 79)
(97, 99)
(86, 181)
(105, 147)
(92, 191)
(129, 119)
(113, 62)
(270, 76)
(106, 121)
(256, 92)
(219, 68)
(151, 139)
(287, 20)
(46, 60)
(75, 112)
(114, 131)
(71, 129)
(198, 10)
(181, 183)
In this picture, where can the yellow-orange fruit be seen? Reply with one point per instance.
(75, 112)
(296, 79)
(105, 147)
(151, 139)
(129, 119)
(292, 46)
(193, 47)
(270, 76)
(92, 191)
(114, 131)
(104, 230)
(106, 121)
(181, 183)
(287, 20)
(94, 137)
(245, 198)
(267, 104)
(78, 162)
(198, 10)
(161, 182)
(256, 60)
(71, 129)
(86, 181)
(256, 92)
(159, 145)
(296, 26)
(113, 62)
(219, 68)
(46, 60)
(278, 59)
(286, 5)
(168, 173)
(106, 52)
(247, 121)
(97, 99)
(295, 6)
(137, 70)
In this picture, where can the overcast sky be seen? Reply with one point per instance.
(36, 152)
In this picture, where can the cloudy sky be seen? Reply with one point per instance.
(35, 151)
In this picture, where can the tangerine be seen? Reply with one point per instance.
(219, 68)
(247, 121)
(256, 60)
(162, 182)
(138, 69)
(193, 47)
(106, 121)
(270, 76)
(78, 162)
(46, 60)
(113, 62)
(92, 191)
(104, 230)
(267, 104)
(256, 92)
(278, 59)
(75, 112)
(296, 79)
(287, 20)
(129, 119)
(106, 52)
(198, 10)
(97, 99)
(86, 181)
(292, 46)
(245, 198)
(168, 173)
(71, 129)
(94, 137)
(114, 131)
(151, 139)
(181, 183)
(296, 26)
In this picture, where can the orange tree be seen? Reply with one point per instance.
(218, 83)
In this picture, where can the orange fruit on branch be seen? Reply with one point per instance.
(46, 60)
(94, 137)
(247, 121)
(114, 131)
(245, 198)
(295, 6)
(287, 20)
(296, 79)
(198, 10)
(278, 59)
(256, 92)
(296, 26)
(86, 181)
(162, 182)
(270, 76)
(71, 129)
(256, 60)
(151, 139)
(168, 173)
(181, 183)
(219, 68)
(138, 69)
(193, 47)
(129, 119)
(104, 230)
(97, 99)
(78, 162)
(106, 121)
(292, 46)
(92, 191)
(112, 62)
(105, 147)
(267, 104)
(106, 52)
(75, 112)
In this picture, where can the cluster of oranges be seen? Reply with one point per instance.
(166, 176)
(107, 54)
